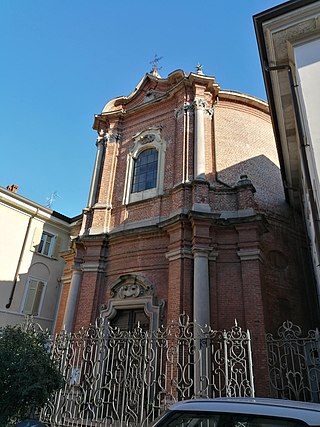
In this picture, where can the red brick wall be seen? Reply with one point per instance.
(255, 291)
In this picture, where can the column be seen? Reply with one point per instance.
(72, 300)
(199, 140)
(201, 316)
(201, 241)
(101, 142)
(201, 297)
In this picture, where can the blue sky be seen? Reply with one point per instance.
(62, 60)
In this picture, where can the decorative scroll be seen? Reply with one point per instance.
(147, 139)
(131, 287)
(121, 378)
(294, 363)
(186, 107)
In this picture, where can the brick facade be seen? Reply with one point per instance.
(235, 215)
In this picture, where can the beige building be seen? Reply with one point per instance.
(31, 268)
(289, 44)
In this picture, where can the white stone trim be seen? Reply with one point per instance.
(92, 266)
(201, 292)
(70, 310)
(179, 253)
(213, 255)
(250, 254)
(147, 139)
(139, 295)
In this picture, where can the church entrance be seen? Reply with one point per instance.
(131, 319)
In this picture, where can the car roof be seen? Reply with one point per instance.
(304, 411)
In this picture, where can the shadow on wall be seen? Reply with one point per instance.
(35, 292)
(265, 177)
(10, 305)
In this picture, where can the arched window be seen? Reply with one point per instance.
(145, 170)
(145, 167)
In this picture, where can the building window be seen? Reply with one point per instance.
(46, 244)
(131, 304)
(145, 167)
(145, 170)
(129, 320)
(34, 297)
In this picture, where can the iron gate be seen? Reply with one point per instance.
(294, 363)
(120, 378)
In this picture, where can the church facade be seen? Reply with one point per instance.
(187, 214)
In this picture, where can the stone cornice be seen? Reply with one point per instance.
(179, 253)
(250, 254)
(213, 255)
(92, 267)
(243, 98)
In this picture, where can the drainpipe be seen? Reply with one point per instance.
(313, 205)
(8, 305)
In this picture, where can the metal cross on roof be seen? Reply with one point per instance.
(154, 63)
(199, 68)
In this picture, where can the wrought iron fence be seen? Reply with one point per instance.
(294, 363)
(120, 378)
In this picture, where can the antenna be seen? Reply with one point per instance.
(52, 198)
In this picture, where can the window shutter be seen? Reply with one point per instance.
(28, 304)
(56, 247)
(33, 298)
(37, 299)
(36, 239)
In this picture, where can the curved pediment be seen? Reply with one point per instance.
(152, 89)
(150, 86)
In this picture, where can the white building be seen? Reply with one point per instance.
(289, 44)
(31, 268)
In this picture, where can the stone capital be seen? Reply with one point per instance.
(200, 103)
(178, 253)
(250, 254)
(77, 267)
(201, 251)
(114, 137)
(185, 108)
(92, 266)
(101, 141)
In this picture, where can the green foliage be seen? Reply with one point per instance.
(27, 374)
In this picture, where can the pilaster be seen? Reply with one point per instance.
(101, 209)
(101, 144)
(201, 249)
(199, 139)
(179, 256)
(69, 258)
(71, 306)
(93, 272)
(250, 256)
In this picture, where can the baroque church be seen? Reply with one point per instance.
(187, 214)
